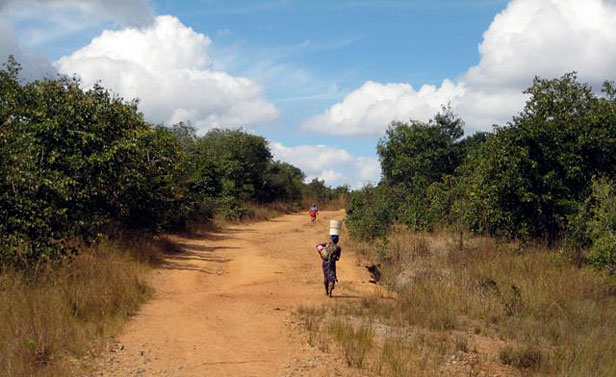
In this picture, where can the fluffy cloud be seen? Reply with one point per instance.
(365, 109)
(166, 65)
(333, 165)
(547, 38)
(530, 37)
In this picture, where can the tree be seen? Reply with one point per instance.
(283, 182)
(415, 155)
(242, 160)
(527, 178)
(75, 164)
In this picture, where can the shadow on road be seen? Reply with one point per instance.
(189, 247)
(195, 255)
(184, 267)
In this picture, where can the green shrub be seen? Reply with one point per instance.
(594, 225)
(603, 252)
(370, 213)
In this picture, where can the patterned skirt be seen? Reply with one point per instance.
(329, 271)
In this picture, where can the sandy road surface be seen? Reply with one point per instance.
(224, 305)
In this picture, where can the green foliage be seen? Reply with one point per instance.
(528, 177)
(69, 158)
(241, 160)
(594, 225)
(413, 157)
(417, 154)
(370, 213)
(283, 181)
(75, 164)
(442, 197)
(317, 192)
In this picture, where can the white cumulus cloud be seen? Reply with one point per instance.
(529, 38)
(335, 166)
(167, 67)
(364, 110)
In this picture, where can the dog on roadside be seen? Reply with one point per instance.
(375, 273)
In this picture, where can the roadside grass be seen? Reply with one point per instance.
(57, 314)
(526, 356)
(355, 343)
(477, 308)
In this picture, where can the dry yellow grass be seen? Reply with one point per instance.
(52, 316)
(494, 307)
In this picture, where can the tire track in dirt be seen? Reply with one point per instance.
(224, 305)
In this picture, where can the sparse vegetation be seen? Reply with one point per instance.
(490, 306)
(56, 314)
(527, 357)
(355, 343)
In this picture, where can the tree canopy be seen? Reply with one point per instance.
(529, 179)
(76, 164)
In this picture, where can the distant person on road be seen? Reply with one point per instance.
(313, 212)
(330, 254)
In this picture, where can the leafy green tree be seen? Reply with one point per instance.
(417, 154)
(242, 161)
(68, 152)
(73, 163)
(283, 182)
(76, 164)
(527, 178)
(317, 191)
(414, 156)
(593, 227)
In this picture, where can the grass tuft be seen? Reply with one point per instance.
(355, 343)
(524, 357)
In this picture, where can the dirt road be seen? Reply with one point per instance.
(224, 305)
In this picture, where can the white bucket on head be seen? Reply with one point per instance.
(334, 232)
(335, 224)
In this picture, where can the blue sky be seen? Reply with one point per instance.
(320, 79)
(339, 45)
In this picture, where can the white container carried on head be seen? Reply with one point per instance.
(334, 227)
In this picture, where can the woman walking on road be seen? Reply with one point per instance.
(330, 254)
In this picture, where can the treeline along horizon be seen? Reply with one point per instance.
(79, 164)
(547, 175)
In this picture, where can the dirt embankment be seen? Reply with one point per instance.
(224, 305)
